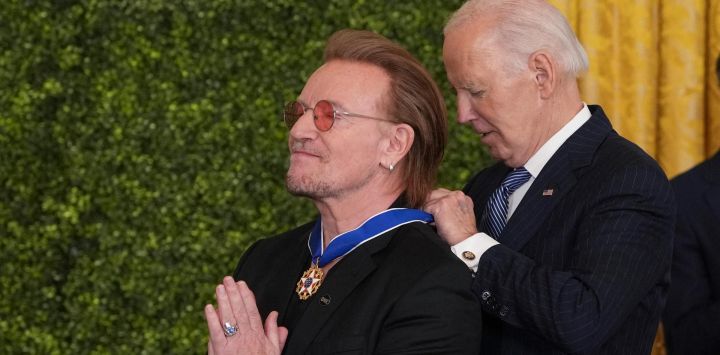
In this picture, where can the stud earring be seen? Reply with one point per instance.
(391, 167)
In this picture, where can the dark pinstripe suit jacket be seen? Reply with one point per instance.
(584, 269)
(692, 314)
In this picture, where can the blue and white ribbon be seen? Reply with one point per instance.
(373, 227)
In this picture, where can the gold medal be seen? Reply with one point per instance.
(309, 282)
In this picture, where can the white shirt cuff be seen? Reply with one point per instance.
(471, 249)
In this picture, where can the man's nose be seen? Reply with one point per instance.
(304, 127)
(465, 112)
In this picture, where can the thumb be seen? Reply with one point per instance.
(271, 330)
(283, 334)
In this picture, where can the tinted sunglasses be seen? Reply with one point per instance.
(324, 114)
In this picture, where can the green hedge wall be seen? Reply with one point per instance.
(141, 150)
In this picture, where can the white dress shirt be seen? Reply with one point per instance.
(471, 249)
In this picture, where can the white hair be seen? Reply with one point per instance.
(523, 27)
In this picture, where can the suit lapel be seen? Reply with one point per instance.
(279, 279)
(345, 276)
(555, 180)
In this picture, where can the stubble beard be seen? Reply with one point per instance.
(306, 187)
(316, 188)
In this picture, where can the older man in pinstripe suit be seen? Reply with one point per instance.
(570, 233)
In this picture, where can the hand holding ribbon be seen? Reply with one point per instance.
(453, 213)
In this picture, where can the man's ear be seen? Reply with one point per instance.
(544, 68)
(399, 139)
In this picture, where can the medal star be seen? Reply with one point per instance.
(309, 282)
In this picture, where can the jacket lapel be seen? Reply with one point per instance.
(345, 276)
(538, 202)
(279, 278)
(555, 180)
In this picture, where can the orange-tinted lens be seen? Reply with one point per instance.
(292, 112)
(324, 114)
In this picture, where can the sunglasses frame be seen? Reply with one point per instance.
(290, 109)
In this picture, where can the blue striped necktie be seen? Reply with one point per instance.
(497, 205)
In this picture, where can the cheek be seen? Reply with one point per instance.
(489, 113)
(518, 131)
(359, 155)
(356, 152)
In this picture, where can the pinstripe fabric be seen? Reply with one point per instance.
(586, 269)
(497, 205)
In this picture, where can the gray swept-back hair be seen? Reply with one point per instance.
(526, 26)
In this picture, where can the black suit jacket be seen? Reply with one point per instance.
(583, 263)
(692, 314)
(403, 292)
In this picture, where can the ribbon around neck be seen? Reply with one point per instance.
(373, 227)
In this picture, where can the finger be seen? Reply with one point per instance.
(453, 202)
(431, 206)
(435, 207)
(438, 194)
(236, 304)
(250, 305)
(469, 205)
(271, 329)
(460, 196)
(283, 334)
(226, 313)
(217, 336)
(444, 201)
(211, 349)
(464, 202)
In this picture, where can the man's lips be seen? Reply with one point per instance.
(303, 153)
(482, 131)
(299, 149)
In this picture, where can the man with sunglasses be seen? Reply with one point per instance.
(366, 138)
(570, 233)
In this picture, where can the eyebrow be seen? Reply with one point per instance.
(473, 84)
(473, 88)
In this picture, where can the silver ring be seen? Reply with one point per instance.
(229, 329)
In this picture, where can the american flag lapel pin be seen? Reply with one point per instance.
(548, 191)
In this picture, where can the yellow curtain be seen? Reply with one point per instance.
(652, 68)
